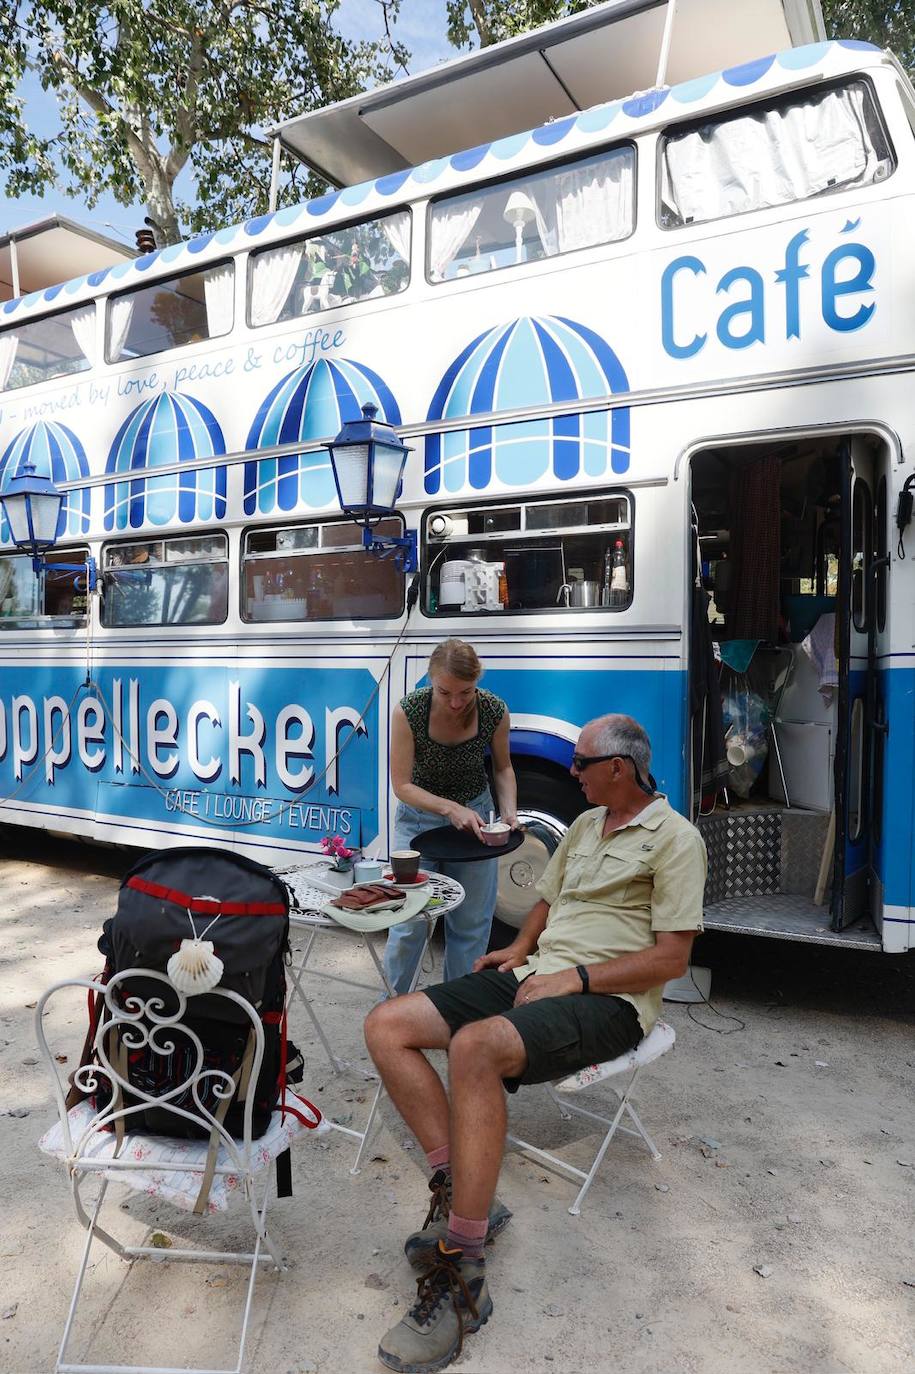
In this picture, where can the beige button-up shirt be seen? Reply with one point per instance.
(608, 896)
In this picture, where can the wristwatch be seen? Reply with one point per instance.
(583, 975)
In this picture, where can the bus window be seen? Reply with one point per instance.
(812, 144)
(23, 596)
(355, 263)
(540, 215)
(170, 313)
(53, 346)
(532, 556)
(173, 581)
(319, 572)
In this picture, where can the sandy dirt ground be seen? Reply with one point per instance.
(776, 1234)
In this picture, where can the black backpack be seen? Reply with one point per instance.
(174, 895)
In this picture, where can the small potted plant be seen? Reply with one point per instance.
(340, 872)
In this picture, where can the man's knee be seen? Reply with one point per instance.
(492, 1043)
(405, 1022)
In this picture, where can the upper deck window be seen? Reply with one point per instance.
(319, 572)
(538, 215)
(50, 347)
(355, 263)
(170, 313)
(812, 144)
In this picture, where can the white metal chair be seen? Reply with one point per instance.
(658, 1041)
(97, 1139)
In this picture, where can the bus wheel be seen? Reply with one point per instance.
(547, 803)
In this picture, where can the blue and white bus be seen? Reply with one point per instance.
(662, 341)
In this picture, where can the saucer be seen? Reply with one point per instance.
(419, 881)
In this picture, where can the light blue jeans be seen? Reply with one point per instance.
(467, 926)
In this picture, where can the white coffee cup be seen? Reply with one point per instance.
(737, 754)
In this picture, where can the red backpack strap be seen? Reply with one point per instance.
(205, 906)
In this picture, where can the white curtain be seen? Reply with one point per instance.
(82, 322)
(769, 159)
(396, 229)
(218, 286)
(594, 203)
(450, 228)
(274, 275)
(120, 312)
(8, 345)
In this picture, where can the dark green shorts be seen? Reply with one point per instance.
(560, 1034)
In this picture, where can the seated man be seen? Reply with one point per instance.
(620, 903)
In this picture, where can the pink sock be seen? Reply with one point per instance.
(464, 1233)
(440, 1158)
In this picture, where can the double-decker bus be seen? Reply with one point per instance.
(653, 350)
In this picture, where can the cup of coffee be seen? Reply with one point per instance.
(405, 865)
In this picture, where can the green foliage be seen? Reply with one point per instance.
(145, 86)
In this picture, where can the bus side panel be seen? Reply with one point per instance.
(583, 690)
(893, 859)
(240, 754)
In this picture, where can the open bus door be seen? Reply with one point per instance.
(861, 707)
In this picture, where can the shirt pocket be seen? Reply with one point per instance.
(624, 879)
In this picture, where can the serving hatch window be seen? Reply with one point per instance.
(179, 580)
(178, 310)
(815, 143)
(53, 346)
(319, 572)
(53, 592)
(539, 215)
(354, 263)
(530, 556)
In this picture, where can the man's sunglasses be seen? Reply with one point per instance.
(582, 761)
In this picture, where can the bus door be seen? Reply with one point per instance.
(861, 707)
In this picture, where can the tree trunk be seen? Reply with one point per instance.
(160, 205)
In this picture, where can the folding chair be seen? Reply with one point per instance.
(658, 1041)
(97, 1140)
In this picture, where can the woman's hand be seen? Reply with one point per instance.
(463, 818)
(511, 818)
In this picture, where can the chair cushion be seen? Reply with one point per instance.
(658, 1041)
(179, 1187)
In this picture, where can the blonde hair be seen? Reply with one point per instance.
(457, 657)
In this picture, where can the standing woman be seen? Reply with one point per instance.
(439, 738)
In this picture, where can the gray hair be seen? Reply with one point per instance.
(622, 735)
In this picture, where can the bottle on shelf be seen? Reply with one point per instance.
(619, 575)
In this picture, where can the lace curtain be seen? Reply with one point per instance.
(218, 284)
(120, 313)
(8, 345)
(273, 278)
(451, 227)
(82, 323)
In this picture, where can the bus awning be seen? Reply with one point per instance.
(604, 53)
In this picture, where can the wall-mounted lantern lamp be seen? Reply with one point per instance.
(32, 507)
(368, 460)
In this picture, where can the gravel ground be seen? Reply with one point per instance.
(774, 1237)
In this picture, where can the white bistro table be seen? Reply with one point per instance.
(307, 916)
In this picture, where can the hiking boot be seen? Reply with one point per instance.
(452, 1300)
(420, 1247)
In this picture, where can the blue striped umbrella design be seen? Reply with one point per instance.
(531, 361)
(308, 404)
(164, 431)
(56, 453)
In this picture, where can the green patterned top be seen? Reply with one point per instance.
(454, 771)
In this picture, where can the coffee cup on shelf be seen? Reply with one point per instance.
(405, 865)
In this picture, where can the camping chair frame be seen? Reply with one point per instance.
(144, 1021)
(658, 1041)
